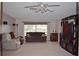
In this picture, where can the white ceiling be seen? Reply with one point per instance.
(16, 9)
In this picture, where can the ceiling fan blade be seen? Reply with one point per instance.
(53, 5)
(50, 10)
(37, 11)
(31, 6)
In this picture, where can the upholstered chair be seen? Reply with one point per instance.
(10, 43)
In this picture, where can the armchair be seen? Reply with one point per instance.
(10, 43)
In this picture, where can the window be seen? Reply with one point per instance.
(35, 28)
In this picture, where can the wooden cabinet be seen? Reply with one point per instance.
(54, 37)
(69, 34)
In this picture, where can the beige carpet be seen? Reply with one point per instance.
(39, 49)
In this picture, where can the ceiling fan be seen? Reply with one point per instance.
(41, 7)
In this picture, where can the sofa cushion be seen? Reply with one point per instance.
(12, 35)
(28, 35)
(43, 35)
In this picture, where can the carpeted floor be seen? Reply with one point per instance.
(39, 49)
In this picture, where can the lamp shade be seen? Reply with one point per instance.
(4, 29)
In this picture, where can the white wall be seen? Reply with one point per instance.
(20, 28)
(10, 21)
(52, 25)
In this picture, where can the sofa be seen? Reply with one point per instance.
(35, 37)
